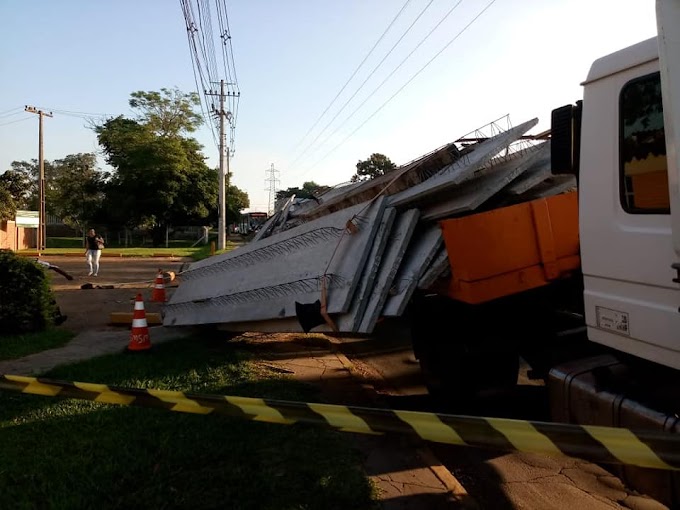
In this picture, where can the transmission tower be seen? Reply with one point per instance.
(272, 181)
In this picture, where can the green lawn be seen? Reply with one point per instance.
(196, 253)
(13, 347)
(77, 454)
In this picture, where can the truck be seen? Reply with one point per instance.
(583, 286)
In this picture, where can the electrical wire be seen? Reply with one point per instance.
(6, 114)
(201, 39)
(365, 80)
(15, 121)
(370, 52)
(386, 79)
(402, 87)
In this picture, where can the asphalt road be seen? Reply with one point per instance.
(120, 280)
(497, 480)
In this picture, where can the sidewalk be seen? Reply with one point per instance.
(86, 345)
(407, 475)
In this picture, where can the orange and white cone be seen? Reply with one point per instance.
(158, 292)
(139, 335)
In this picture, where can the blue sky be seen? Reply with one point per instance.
(521, 57)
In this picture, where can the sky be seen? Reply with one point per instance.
(518, 60)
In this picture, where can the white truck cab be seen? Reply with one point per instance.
(626, 235)
(629, 196)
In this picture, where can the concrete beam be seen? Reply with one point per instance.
(400, 238)
(263, 280)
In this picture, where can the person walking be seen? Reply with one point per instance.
(95, 243)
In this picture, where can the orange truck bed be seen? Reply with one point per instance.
(512, 249)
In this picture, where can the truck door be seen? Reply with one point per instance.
(668, 17)
(627, 244)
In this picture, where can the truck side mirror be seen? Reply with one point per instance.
(565, 139)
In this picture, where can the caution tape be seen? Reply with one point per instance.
(649, 449)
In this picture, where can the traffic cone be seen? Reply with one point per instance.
(158, 292)
(139, 335)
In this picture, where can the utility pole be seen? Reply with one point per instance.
(273, 181)
(42, 231)
(224, 166)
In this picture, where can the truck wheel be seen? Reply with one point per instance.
(460, 376)
(460, 354)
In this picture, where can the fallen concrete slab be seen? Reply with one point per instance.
(421, 251)
(474, 192)
(400, 237)
(532, 177)
(437, 268)
(350, 321)
(263, 280)
(455, 173)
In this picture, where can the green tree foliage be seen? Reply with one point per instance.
(375, 166)
(15, 193)
(309, 189)
(74, 188)
(26, 301)
(77, 190)
(8, 208)
(24, 175)
(19, 183)
(160, 175)
(158, 180)
(169, 112)
(237, 200)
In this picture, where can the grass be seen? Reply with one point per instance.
(17, 346)
(196, 253)
(78, 454)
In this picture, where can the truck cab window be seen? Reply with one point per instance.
(644, 173)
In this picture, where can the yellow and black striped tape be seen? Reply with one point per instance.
(642, 448)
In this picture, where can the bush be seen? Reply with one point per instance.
(26, 300)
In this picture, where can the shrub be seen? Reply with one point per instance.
(26, 300)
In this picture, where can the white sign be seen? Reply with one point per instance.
(613, 320)
(27, 219)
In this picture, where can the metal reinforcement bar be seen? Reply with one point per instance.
(649, 449)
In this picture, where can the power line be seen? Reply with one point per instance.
(365, 80)
(15, 121)
(7, 114)
(392, 73)
(354, 73)
(83, 115)
(11, 110)
(201, 38)
(402, 87)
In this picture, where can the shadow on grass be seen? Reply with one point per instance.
(18, 346)
(79, 454)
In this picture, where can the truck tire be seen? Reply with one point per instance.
(461, 354)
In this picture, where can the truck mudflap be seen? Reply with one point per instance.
(588, 392)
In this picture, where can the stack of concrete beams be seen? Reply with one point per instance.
(360, 251)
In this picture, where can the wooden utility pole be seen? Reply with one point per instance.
(42, 231)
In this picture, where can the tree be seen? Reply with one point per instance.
(19, 185)
(78, 189)
(309, 189)
(237, 200)
(158, 180)
(375, 166)
(160, 175)
(169, 112)
(8, 208)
